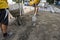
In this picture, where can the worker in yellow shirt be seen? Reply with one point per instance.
(35, 4)
(4, 17)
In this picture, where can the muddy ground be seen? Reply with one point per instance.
(47, 27)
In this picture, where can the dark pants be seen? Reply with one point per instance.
(3, 17)
(35, 5)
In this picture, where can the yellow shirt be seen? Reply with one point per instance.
(3, 4)
(32, 2)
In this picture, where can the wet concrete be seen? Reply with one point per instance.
(47, 27)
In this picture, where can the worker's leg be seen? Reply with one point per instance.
(0, 18)
(36, 9)
(4, 23)
(4, 30)
(0, 25)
